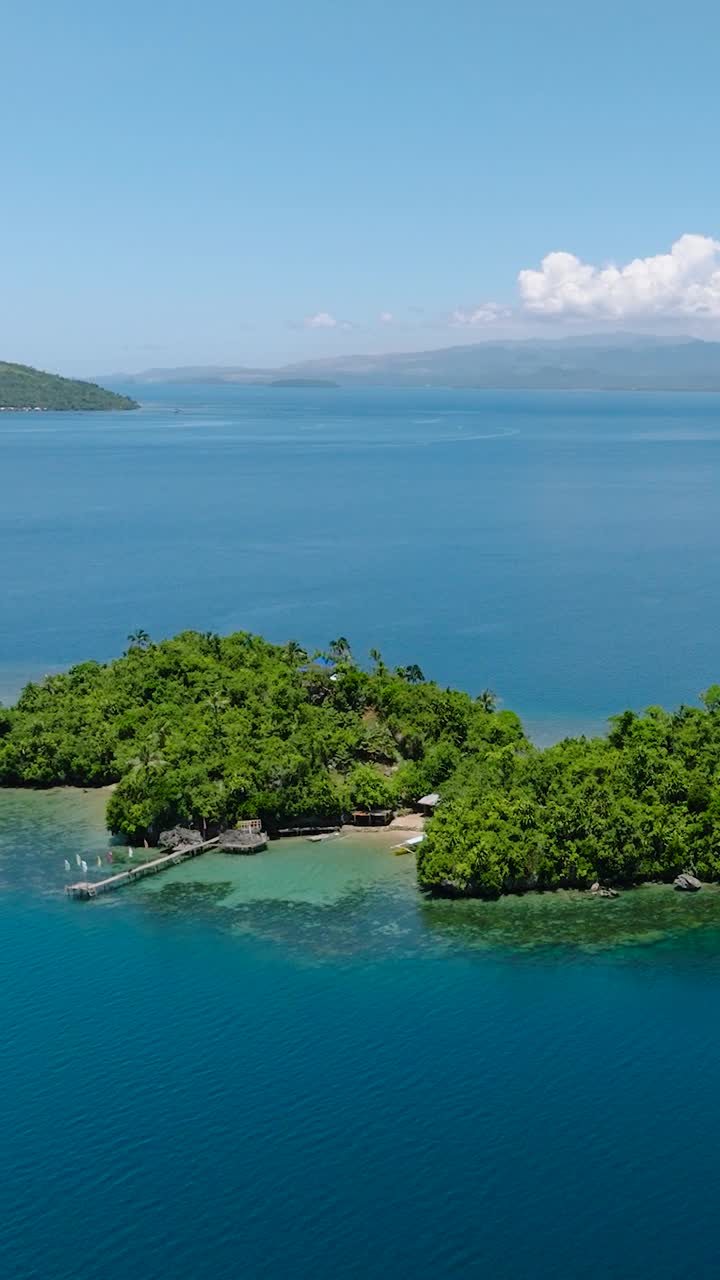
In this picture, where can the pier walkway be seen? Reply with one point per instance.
(85, 889)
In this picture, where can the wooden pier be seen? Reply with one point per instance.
(85, 889)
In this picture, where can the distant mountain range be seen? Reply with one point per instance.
(617, 362)
(22, 387)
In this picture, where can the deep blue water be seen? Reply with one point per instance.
(294, 1066)
(204, 1083)
(561, 549)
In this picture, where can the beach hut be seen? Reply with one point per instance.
(426, 804)
(372, 817)
(179, 838)
(246, 837)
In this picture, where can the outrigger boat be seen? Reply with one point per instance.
(410, 844)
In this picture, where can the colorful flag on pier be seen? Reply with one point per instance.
(99, 861)
(78, 859)
(67, 865)
(109, 855)
(84, 866)
(130, 852)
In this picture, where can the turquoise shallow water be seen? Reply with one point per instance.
(295, 1065)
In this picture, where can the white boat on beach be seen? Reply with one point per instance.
(407, 846)
(323, 835)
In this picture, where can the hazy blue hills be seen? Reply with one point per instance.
(22, 387)
(610, 362)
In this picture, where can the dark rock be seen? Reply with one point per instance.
(449, 888)
(686, 882)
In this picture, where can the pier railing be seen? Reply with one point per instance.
(85, 889)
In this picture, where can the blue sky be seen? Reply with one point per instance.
(254, 182)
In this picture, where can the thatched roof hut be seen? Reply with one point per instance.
(247, 838)
(179, 838)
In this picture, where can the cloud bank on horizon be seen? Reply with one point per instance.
(684, 283)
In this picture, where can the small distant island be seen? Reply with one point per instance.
(207, 731)
(25, 389)
(303, 382)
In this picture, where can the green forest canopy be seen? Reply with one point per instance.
(204, 730)
(22, 387)
(641, 804)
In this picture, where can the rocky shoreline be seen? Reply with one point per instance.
(685, 882)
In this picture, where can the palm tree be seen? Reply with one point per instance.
(339, 650)
(217, 704)
(295, 652)
(376, 657)
(147, 758)
(211, 641)
(139, 639)
(487, 700)
(413, 674)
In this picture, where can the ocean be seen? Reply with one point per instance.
(558, 548)
(294, 1065)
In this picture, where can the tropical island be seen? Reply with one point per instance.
(24, 388)
(208, 731)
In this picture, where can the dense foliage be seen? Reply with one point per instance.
(205, 730)
(642, 804)
(24, 388)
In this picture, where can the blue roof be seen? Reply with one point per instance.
(326, 664)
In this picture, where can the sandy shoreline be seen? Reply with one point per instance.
(396, 831)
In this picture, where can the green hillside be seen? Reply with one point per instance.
(206, 730)
(22, 387)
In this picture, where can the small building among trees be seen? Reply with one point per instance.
(372, 817)
(246, 837)
(427, 804)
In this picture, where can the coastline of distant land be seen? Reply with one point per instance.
(27, 390)
(613, 362)
(303, 382)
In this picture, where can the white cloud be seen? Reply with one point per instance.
(321, 320)
(386, 317)
(683, 283)
(485, 314)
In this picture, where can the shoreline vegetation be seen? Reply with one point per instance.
(207, 731)
(27, 390)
